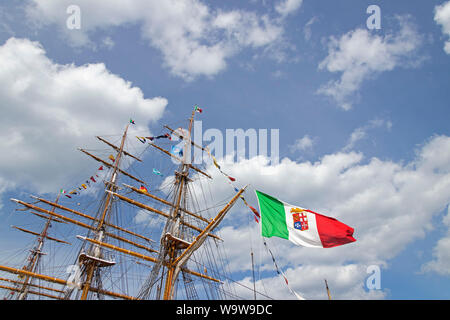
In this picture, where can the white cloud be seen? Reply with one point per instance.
(193, 39)
(50, 109)
(142, 216)
(441, 252)
(380, 199)
(360, 54)
(361, 132)
(307, 29)
(442, 17)
(345, 282)
(108, 43)
(302, 144)
(287, 7)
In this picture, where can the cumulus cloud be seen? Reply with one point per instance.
(381, 199)
(442, 17)
(311, 281)
(194, 39)
(50, 109)
(360, 54)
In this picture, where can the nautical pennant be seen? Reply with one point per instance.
(280, 272)
(83, 186)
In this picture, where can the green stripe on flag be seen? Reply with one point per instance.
(273, 217)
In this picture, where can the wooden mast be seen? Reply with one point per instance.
(91, 264)
(35, 255)
(171, 255)
(170, 245)
(175, 263)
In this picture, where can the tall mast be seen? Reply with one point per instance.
(176, 250)
(35, 256)
(169, 244)
(91, 260)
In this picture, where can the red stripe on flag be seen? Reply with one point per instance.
(332, 232)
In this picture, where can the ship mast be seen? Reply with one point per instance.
(35, 256)
(34, 259)
(170, 243)
(171, 256)
(93, 260)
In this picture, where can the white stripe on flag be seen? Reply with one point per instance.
(307, 238)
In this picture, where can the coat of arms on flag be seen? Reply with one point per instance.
(300, 219)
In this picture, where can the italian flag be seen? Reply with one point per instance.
(197, 109)
(301, 226)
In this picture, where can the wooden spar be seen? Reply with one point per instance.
(119, 249)
(33, 274)
(81, 224)
(32, 292)
(175, 157)
(110, 166)
(201, 275)
(61, 281)
(46, 217)
(92, 218)
(53, 214)
(142, 256)
(117, 148)
(202, 236)
(112, 294)
(56, 205)
(31, 285)
(38, 234)
(165, 202)
(148, 208)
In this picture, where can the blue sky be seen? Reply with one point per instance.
(371, 103)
